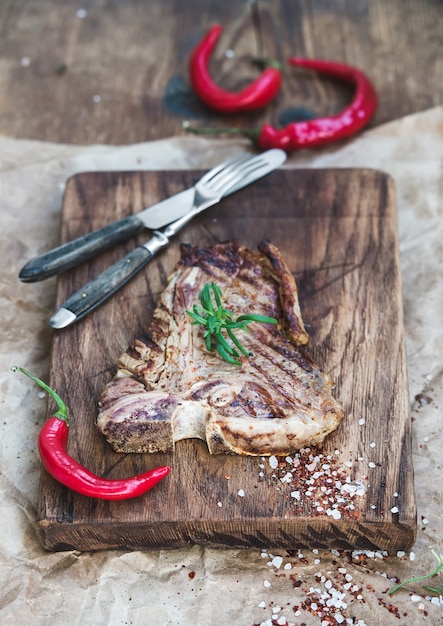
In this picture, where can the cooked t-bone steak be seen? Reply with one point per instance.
(170, 387)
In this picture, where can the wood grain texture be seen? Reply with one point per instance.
(133, 55)
(337, 231)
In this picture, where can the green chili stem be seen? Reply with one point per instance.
(62, 412)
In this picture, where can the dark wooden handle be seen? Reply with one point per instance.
(107, 283)
(80, 250)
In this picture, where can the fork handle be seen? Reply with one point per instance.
(99, 289)
(80, 250)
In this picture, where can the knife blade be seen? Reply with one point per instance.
(99, 289)
(83, 248)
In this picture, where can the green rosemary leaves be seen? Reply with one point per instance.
(219, 324)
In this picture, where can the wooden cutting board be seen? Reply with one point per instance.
(337, 231)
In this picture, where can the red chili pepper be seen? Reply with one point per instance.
(52, 443)
(255, 96)
(323, 130)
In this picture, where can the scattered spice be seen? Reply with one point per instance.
(315, 482)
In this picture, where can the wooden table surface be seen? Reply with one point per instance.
(108, 71)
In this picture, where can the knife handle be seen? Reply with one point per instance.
(101, 288)
(80, 250)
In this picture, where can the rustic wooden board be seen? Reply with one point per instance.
(337, 231)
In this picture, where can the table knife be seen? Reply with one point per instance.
(83, 248)
(99, 289)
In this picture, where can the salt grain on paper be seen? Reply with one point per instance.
(277, 561)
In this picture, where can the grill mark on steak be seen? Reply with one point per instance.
(169, 387)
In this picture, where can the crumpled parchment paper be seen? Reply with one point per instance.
(199, 585)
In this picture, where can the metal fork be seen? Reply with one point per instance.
(235, 173)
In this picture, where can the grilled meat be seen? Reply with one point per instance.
(170, 387)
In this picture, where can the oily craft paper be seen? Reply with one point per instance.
(198, 585)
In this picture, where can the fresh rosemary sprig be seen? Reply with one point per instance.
(416, 579)
(219, 324)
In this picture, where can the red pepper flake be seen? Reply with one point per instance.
(315, 483)
(390, 607)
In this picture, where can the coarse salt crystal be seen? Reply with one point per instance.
(371, 464)
(220, 504)
(266, 583)
(25, 62)
(372, 444)
(277, 561)
(361, 421)
(241, 493)
(276, 609)
(273, 462)
(394, 509)
(415, 598)
(262, 605)
(425, 521)
(295, 494)
(288, 566)
(287, 478)
(400, 554)
(412, 556)
(81, 14)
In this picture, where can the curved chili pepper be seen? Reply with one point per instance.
(255, 96)
(319, 131)
(52, 442)
(324, 130)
